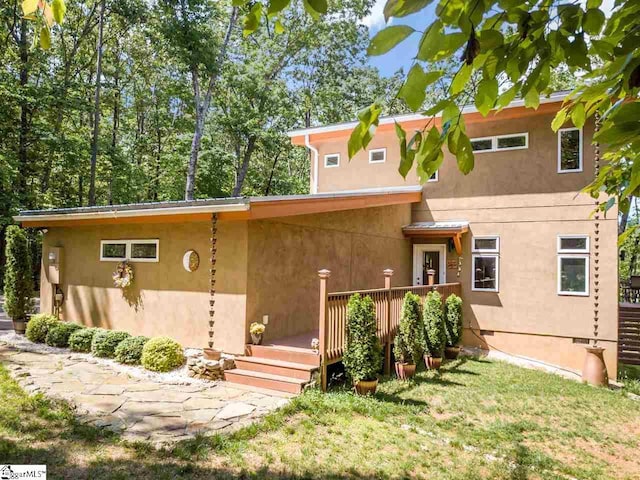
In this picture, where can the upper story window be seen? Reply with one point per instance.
(573, 265)
(569, 150)
(379, 155)
(132, 250)
(485, 263)
(332, 160)
(434, 177)
(514, 141)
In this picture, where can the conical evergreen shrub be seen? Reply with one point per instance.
(363, 353)
(434, 329)
(409, 343)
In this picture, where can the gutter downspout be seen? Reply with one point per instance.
(314, 180)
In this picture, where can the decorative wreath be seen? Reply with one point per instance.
(123, 276)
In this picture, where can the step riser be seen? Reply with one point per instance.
(283, 355)
(273, 369)
(267, 383)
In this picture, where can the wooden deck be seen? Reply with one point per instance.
(629, 333)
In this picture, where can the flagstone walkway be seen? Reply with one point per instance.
(138, 409)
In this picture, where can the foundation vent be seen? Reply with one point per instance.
(488, 333)
(582, 341)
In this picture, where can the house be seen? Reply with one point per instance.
(515, 238)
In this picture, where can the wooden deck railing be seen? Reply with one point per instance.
(629, 294)
(388, 304)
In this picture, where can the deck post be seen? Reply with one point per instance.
(388, 273)
(324, 275)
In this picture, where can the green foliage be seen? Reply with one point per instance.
(363, 353)
(39, 326)
(80, 340)
(409, 342)
(58, 335)
(162, 354)
(435, 334)
(129, 351)
(453, 319)
(18, 285)
(104, 342)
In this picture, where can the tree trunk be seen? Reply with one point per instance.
(23, 161)
(196, 142)
(242, 173)
(622, 226)
(96, 111)
(273, 169)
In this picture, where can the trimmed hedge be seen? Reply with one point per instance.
(104, 343)
(39, 326)
(130, 350)
(80, 340)
(435, 335)
(161, 354)
(363, 352)
(58, 335)
(409, 343)
(453, 319)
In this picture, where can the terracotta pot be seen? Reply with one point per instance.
(20, 326)
(594, 370)
(405, 371)
(432, 363)
(212, 353)
(366, 387)
(256, 339)
(451, 353)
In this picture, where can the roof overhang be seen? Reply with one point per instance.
(449, 229)
(251, 208)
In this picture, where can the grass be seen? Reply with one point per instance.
(478, 419)
(630, 376)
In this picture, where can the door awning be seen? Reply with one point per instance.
(448, 229)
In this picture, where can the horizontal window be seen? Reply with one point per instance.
(332, 160)
(134, 250)
(569, 150)
(514, 141)
(573, 275)
(378, 155)
(573, 244)
(486, 244)
(485, 272)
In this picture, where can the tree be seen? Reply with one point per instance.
(18, 286)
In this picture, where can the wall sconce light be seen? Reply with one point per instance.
(52, 257)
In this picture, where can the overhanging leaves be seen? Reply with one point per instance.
(387, 38)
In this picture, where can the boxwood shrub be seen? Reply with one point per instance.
(130, 350)
(80, 340)
(161, 354)
(104, 343)
(39, 326)
(58, 335)
(363, 353)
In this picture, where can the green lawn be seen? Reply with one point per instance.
(478, 419)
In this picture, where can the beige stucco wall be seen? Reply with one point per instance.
(286, 253)
(165, 299)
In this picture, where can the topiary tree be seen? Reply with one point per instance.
(161, 354)
(39, 326)
(409, 342)
(434, 333)
(363, 352)
(80, 340)
(453, 319)
(58, 335)
(104, 343)
(18, 284)
(129, 351)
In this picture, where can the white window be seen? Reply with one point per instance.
(485, 269)
(434, 177)
(379, 155)
(332, 160)
(133, 250)
(569, 150)
(573, 265)
(512, 141)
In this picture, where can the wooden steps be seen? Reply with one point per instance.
(274, 367)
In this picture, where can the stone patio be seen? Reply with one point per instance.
(138, 409)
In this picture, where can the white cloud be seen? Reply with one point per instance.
(375, 20)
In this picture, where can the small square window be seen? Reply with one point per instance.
(486, 244)
(115, 251)
(377, 156)
(332, 160)
(434, 177)
(512, 142)
(146, 251)
(480, 144)
(569, 150)
(573, 275)
(485, 273)
(573, 244)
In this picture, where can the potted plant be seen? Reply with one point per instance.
(18, 284)
(434, 331)
(409, 341)
(453, 326)
(363, 353)
(257, 330)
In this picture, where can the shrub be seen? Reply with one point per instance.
(39, 326)
(363, 353)
(161, 354)
(18, 284)
(130, 350)
(453, 319)
(434, 335)
(409, 342)
(80, 340)
(58, 335)
(104, 343)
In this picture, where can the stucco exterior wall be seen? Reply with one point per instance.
(286, 253)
